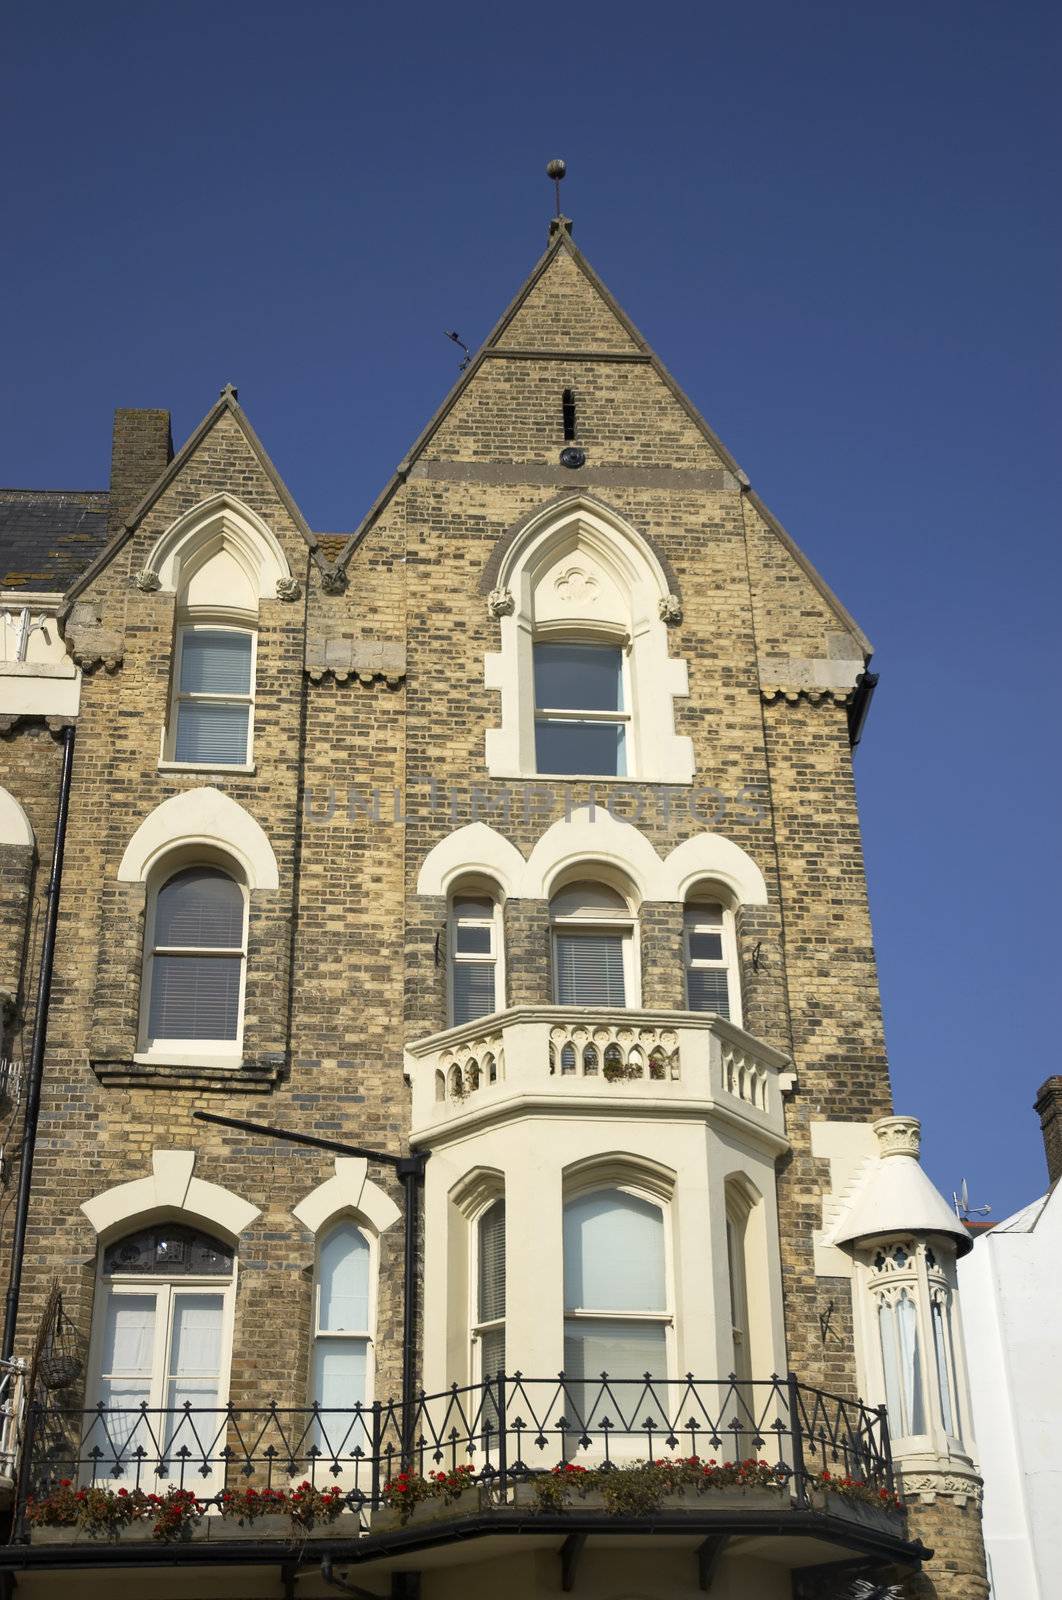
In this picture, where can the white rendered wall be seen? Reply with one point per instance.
(1012, 1316)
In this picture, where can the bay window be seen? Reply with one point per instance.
(912, 1344)
(616, 1315)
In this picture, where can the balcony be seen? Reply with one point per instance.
(587, 1060)
(505, 1448)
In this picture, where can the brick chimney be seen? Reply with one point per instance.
(141, 450)
(1049, 1108)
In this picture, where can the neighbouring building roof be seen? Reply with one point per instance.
(49, 536)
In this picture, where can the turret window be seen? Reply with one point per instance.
(911, 1348)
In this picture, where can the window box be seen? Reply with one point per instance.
(880, 1519)
(435, 1509)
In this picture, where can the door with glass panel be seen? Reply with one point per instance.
(162, 1343)
(342, 1344)
(616, 1307)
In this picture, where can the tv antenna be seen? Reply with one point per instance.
(458, 340)
(963, 1209)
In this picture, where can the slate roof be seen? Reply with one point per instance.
(49, 536)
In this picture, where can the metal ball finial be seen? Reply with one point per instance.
(556, 170)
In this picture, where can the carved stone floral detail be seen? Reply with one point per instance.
(147, 580)
(500, 603)
(288, 588)
(958, 1486)
(898, 1136)
(670, 609)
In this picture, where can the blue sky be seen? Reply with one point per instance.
(836, 223)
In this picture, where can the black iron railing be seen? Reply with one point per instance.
(507, 1428)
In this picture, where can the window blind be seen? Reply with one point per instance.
(708, 989)
(343, 1275)
(613, 1253)
(590, 969)
(578, 677)
(200, 907)
(211, 732)
(492, 1263)
(473, 985)
(215, 663)
(194, 997)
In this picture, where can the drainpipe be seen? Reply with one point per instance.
(40, 1037)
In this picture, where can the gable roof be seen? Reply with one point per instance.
(49, 536)
(494, 345)
(226, 403)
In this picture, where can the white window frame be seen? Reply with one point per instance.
(739, 1317)
(664, 1318)
(477, 1326)
(200, 623)
(189, 1052)
(626, 926)
(495, 958)
(348, 1219)
(625, 718)
(167, 1291)
(728, 962)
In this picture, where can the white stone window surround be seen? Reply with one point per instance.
(197, 826)
(219, 559)
(15, 826)
(592, 835)
(176, 1051)
(579, 571)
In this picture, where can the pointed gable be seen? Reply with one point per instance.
(563, 311)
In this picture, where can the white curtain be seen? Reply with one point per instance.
(194, 1371)
(898, 1324)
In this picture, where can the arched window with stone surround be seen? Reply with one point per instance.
(342, 1375)
(586, 677)
(194, 958)
(709, 947)
(474, 942)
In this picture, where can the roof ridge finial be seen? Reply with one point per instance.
(558, 223)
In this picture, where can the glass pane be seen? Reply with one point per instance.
(492, 1354)
(344, 1280)
(195, 997)
(201, 906)
(590, 969)
(215, 663)
(898, 1324)
(473, 941)
(613, 1253)
(623, 1350)
(211, 732)
(129, 1335)
(474, 906)
(706, 946)
(195, 1344)
(578, 677)
(705, 913)
(473, 990)
(587, 747)
(492, 1264)
(339, 1377)
(941, 1347)
(707, 989)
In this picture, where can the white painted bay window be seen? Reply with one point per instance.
(616, 1314)
(910, 1296)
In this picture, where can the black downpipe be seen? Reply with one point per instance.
(411, 1177)
(40, 1037)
